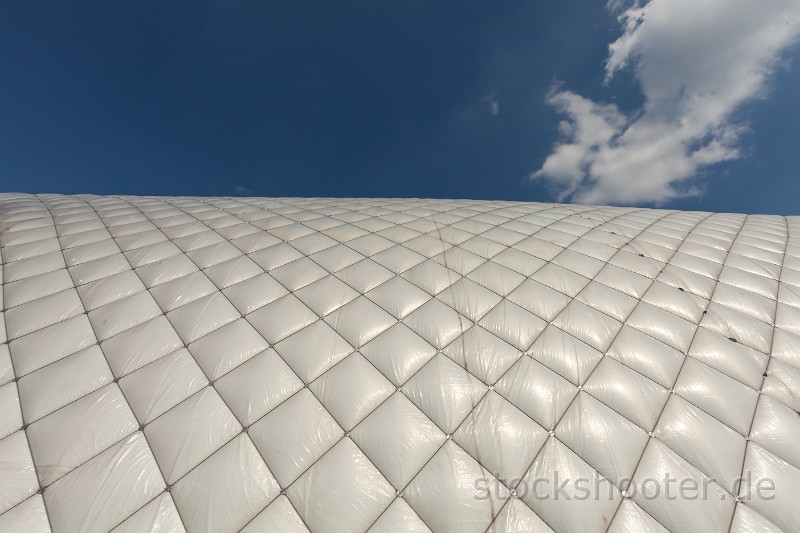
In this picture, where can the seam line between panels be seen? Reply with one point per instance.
(748, 441)
(116, 383)
(671, 390)
(557, 422)
(211, 384)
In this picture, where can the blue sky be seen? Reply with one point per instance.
(406, 99)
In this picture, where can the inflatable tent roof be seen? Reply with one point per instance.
(395, 365)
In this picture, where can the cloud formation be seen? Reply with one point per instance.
(697, 62)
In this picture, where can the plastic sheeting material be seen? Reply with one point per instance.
(366, 365)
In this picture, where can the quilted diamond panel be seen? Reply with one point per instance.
(395, 365)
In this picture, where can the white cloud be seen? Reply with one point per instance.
(697, 62)
(494, 105)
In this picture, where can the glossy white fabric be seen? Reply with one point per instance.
(393, 365)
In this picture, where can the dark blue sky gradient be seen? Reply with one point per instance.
(327, 99)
